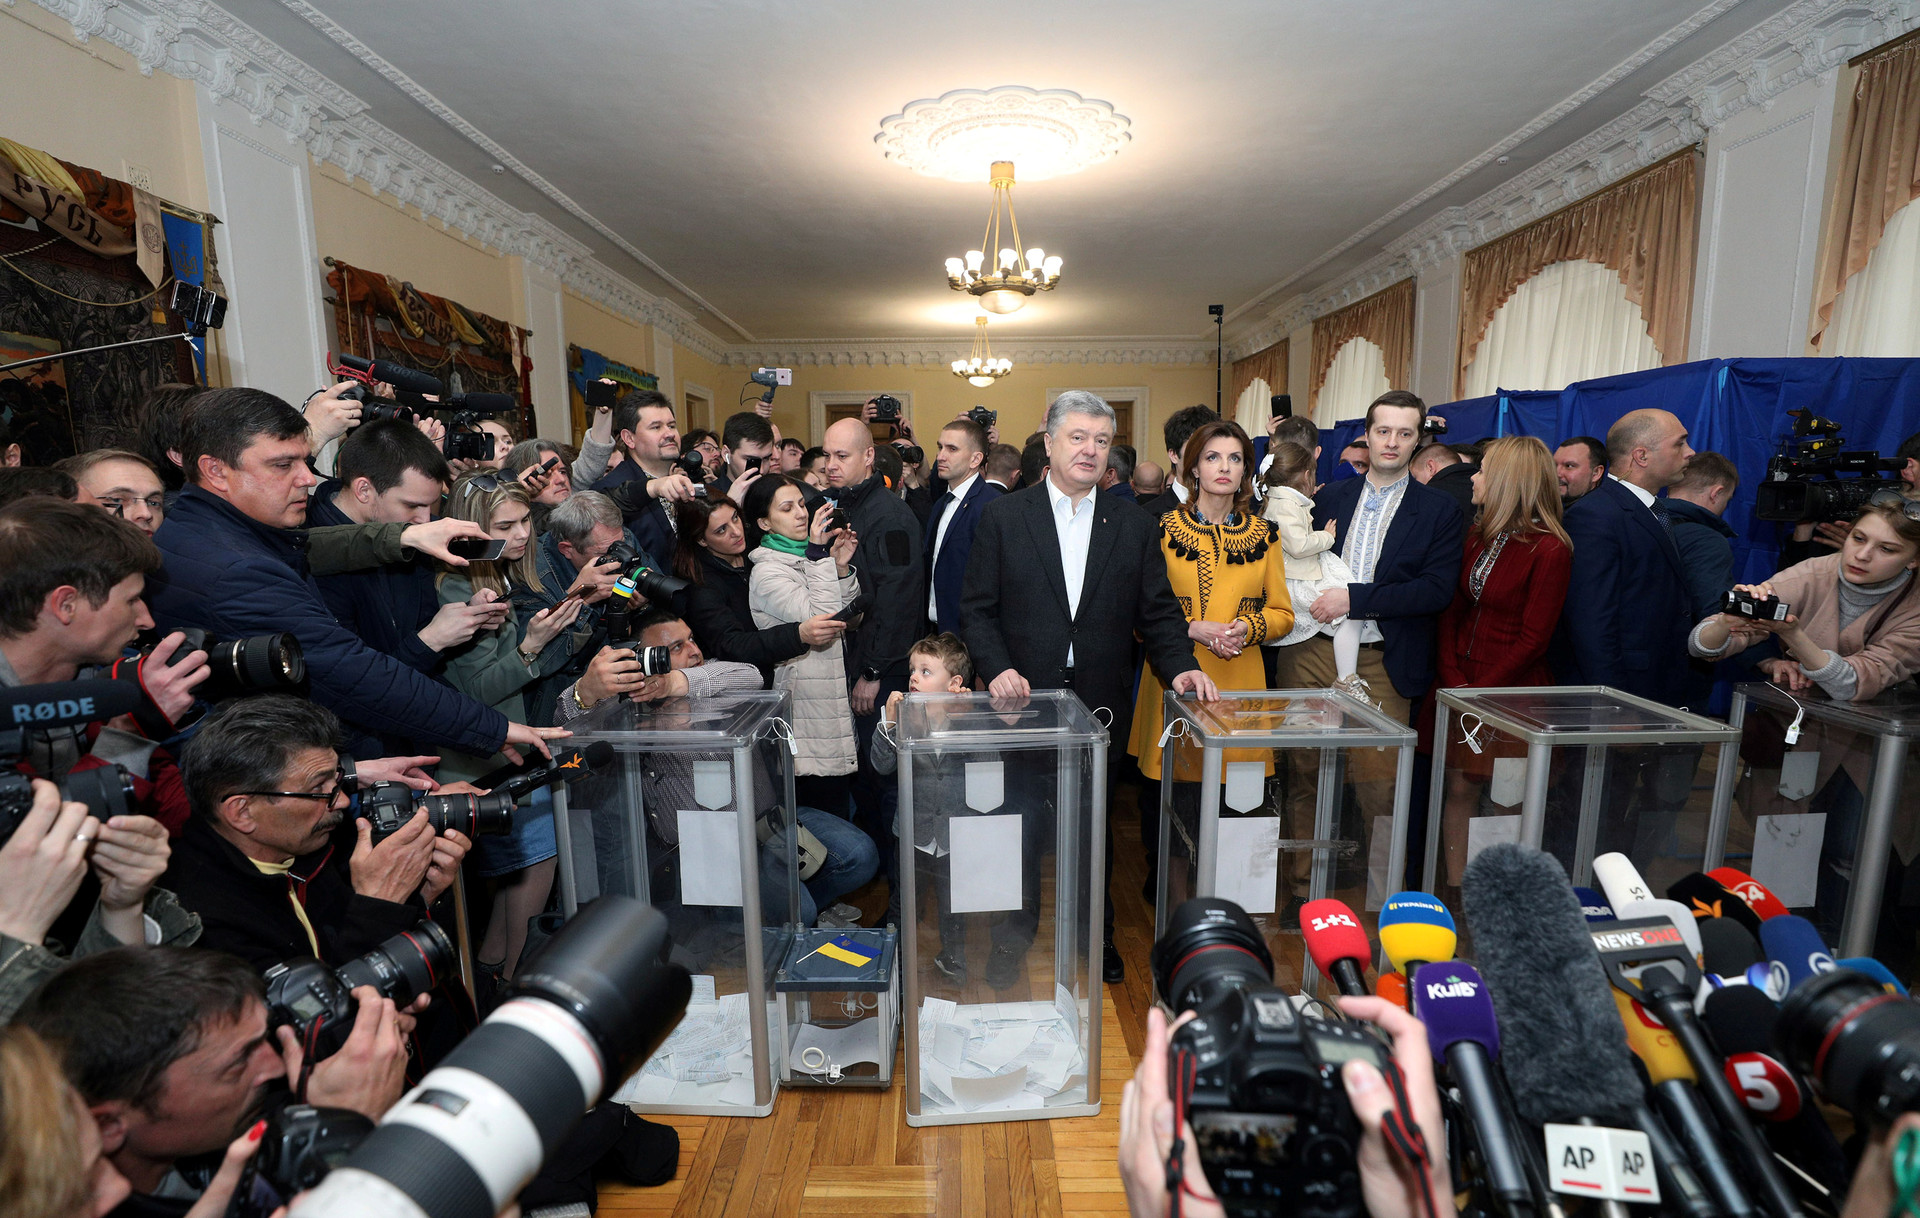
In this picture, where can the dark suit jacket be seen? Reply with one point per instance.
(1628, 606)
(1014, 609)
(1413, 579)
(948, 574)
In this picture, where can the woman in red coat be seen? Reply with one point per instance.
(1513, 581)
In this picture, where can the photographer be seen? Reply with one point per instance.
(72, 601)
(644, 422)
(171, 1054)
(712, 558)
(547, 486)
(391, 474)
(746, 448)
(578, 533)
(122, 482)
(235, 567)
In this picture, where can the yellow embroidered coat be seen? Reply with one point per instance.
(1220, 573)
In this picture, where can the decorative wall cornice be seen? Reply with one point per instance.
(1801, 42)
(920, 352)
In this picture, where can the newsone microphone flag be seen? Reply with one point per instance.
(1451, 999)
(1337, 943)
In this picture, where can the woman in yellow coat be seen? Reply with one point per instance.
(1225, 564)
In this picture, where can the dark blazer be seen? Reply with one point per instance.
(1628, 606)
(388, 605)
(1705, 542)
(645, 517)
(1413, 579)
(949, 574)
(1013, 611)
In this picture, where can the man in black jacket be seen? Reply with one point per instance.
(1060, 579)
(643, 421)
(1439, 468)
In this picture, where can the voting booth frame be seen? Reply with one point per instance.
(1268, 755)
(1797, 838)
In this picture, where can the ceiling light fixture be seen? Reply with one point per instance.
(1016, 272)
(1049, 132)
(981, 369)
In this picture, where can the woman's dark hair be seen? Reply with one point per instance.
(690, 518)
(760, 501)
(1197, 444)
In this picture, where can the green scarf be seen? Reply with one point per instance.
(785, 545)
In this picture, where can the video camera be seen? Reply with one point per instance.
(107, 790)
(1258, 1079)
(317, 1002)
(1806, 482)
(417, 394)
(591, 1004)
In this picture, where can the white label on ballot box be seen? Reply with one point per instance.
(710, 858)
(713, 783)
(1246, 785)
(985, 862)
(1799, 773)
(1786, 854)
(1484, 831)
(1246, 866)
(986, 785)
(1509, 785)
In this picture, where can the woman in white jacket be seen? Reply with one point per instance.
(803, 567)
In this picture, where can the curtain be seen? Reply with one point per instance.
(1643, 228)
(1879, 312)
(1879, 175)
(1254, 407)
(1357, 375)
(1268, 364)
(1385, 320)
(1571, 322)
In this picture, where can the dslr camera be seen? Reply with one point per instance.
(1271, 1121)
(107, 790)
(1816, 479)
(1758, 608)
(388, 806)
(695, 467)
(263, 664)
(317, 1002)
(639, 578)
(983, 416)
(300, 1146)
(1857, 1044)
(886, 408)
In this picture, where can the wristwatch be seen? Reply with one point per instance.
(869, 673)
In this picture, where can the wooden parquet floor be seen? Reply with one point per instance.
(851, 1152)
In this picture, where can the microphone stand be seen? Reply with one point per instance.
(50, 356)
(1219, 313)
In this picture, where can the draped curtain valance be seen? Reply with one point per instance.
(1268, 364)
(1385, 319)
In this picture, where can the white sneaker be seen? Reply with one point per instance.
(1356, 687)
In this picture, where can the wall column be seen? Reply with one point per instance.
(1436, 330)
(539, 292)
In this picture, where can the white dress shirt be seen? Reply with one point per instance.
(1643, 495)
(1074, 525)
(959, 492)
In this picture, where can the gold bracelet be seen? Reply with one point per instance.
(585, 706)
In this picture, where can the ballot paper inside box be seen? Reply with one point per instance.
(838, 999)
(1002, 829)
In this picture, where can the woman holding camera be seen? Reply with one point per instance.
(493, 668)
(710, 553)
(803, 568)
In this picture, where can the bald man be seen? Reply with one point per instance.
(1149, 481)
(893, 575)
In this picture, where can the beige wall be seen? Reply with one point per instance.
(590, 326)
(375, 233)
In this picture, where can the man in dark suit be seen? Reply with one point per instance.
(1403, 541)
(1061, 577)
(958, 460)
(648, 483)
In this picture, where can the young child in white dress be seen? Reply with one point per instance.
(1313, 566)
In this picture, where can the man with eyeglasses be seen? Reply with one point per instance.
(125, 483)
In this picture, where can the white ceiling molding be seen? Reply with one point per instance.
(200, 41)
(1805, 40)
(911, 352)
(1046, 133)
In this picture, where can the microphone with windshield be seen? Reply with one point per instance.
(1337, 944)
(1708, 898)
(1728, 949)
(1451, 999)
(1416, 929)
(1796, 950)
(1749, 891)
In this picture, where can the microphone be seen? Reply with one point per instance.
(1415, 929)
(1594, 905)
(1709, 898)
(1741, 1021)
(1671, 1077)
(1562, 1045)
(1750, 891)
(1727, 948)
(67, 703)
(483, 403)
(1451, 999)
(566, 765)
(399, 376)
(1796, 949)
(1620, 880)
(1337, 944)
(1876, 970)
(1392, 987)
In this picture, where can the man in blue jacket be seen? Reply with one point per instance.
(235, 565)
(647, 484)
(958, 460)
(390, 473)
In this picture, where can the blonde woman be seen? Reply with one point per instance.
(1513, 580)
(493, 668)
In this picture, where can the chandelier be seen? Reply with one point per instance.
(981, 369)
(1016, 273)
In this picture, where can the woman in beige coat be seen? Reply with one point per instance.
(802, 567)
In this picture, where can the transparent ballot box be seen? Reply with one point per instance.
(1272, 798)
(1002, 866)
(1577, 770)
(691, 817)
(839, 1004)
(1814, 817)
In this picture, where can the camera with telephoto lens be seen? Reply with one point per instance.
(886, 408)
(1857, 1043)
(265, 663)
(300, 1146)
(1270, 1116)
(107, 790)
(981, 415)
(591, 1004)
(694, 466)
(317, 1002)
(388, 806)
(1815, 479)
(641, 579)
(1757, 608)
(912, 454)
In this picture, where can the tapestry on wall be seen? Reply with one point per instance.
(380, 317)
(585, 364)
(86, 260)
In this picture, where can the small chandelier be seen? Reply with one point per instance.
(1017, 273)
(981, 369)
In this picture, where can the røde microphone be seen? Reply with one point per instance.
(1337, 944)
(1751, 891)
(1594, 905)
(1709, 898)
(1741, 1020)
(398, 375)
(1794, 945)
(1671, 1077)
(1416, 929)
(1451, 999)
(1727, 948)
(66, 703)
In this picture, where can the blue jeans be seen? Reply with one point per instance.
(852, 860)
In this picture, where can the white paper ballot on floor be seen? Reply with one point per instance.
(710, 858)
(985, 861)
